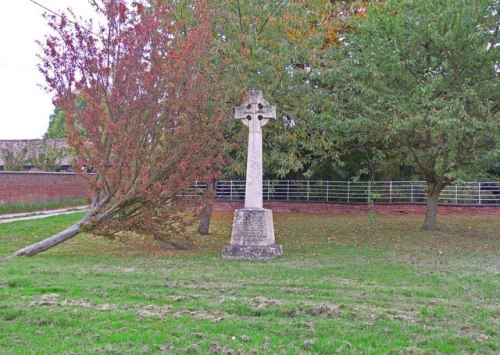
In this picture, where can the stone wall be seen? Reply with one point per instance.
(37, 187)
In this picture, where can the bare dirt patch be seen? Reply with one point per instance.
(124, 269)
(45, 300)
(153, 311)
(212, 315)
(261, 303)
(177, 298)
(77, 303)
(53, 300)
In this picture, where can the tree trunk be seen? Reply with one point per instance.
(49, 242)
(206, 212)
(430, 221)
(55, 239)
(206, 216)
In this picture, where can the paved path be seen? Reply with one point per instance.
(12, 217)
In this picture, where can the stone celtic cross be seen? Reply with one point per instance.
(255, 112)
(253, 228)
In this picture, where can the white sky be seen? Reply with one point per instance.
(24, 106)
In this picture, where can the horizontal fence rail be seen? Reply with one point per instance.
(464, 193)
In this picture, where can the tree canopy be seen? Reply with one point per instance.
(270, 46)
(425, 76)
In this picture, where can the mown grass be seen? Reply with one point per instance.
(344, 285)
(19, 207)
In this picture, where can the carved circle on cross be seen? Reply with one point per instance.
(255, 107)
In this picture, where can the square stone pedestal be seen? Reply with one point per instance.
(252, 236)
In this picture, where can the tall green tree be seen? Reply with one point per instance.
(424, 86)
(57, 125)
(270, 45)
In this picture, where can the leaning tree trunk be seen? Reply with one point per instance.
(430, 221)
(206, 212)
(206, 216)
(54, 240)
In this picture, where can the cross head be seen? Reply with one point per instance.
(255, 112)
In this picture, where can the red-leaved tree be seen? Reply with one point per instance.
(138, 101)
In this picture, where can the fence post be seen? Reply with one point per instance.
(307, 190)
(411, 196)
(268, 188)
(231, 190)
(390, 191)
(326, 190)
(288, 190)
(456, 194)
(368, 197)
(479, 192)
(348, 190)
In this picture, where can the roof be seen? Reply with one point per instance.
(33, 146)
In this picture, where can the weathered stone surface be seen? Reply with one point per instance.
(253, 227)
(252, 252)
(252, 236)
(255, 112)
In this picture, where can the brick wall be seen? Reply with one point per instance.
(382, 209)
(41, 187)
(44, 187)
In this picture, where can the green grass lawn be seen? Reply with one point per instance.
(345, 284)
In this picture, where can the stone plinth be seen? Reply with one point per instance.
(251, 252)
(252, 236)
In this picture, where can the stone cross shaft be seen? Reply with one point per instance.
(252, 237)
(255, 112)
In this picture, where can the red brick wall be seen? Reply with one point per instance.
(382, 209)
(41, 187)
(44, 187)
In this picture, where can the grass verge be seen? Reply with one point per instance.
(31, 207)
(344, 285)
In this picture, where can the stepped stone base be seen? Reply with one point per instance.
(252, 236)
(252, 252)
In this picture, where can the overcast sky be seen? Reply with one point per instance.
(24, 107)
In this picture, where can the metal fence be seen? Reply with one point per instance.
(464, 193)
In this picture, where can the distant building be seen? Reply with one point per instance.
(29, 149)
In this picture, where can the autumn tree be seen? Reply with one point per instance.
(137, 99)
(421, 79)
